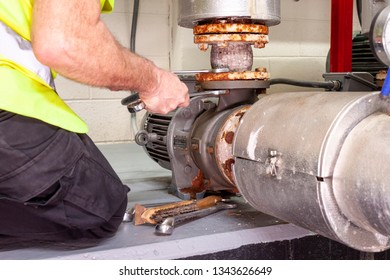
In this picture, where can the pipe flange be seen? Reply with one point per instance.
(224, 143)
(259, 74)
(220, 28)
(258, 40)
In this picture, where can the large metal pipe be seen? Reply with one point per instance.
(318, 160)
(361, 181)
(369, 9)
(262, 11)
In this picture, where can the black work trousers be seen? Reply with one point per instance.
(54, 184)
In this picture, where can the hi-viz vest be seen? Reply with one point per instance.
(26, 86)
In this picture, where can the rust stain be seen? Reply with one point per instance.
(240, 115)
(258, 39)
(230, 28)
(198, 185)
(210, 150)
(228, 167)
(229, 137)
(229, 76)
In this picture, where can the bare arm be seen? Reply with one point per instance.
(69, 37)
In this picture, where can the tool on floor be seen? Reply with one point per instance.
(155, 215)
(167, 226)
(128, 217)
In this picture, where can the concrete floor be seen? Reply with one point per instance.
(223, 231)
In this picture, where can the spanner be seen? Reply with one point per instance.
(135, 104)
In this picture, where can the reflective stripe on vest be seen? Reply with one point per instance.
(26, 86)
(19, 50)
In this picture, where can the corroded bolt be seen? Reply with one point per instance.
(203, 46)
(195, 146)
(210, 150)
(186, 113)
(229, 137)
(187, 169)
(259, 45)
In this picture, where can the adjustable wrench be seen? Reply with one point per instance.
(135, 104)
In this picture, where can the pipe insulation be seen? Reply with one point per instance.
(261, 11)
(319, 160)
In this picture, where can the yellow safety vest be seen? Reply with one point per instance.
(23, 90)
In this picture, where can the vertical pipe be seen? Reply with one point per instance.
(134, 22)
(341, 36)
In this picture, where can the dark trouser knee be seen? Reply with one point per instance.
(57, 184)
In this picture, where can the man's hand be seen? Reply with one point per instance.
(168, 94)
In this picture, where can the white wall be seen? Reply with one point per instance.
(107, 119)
(298, 48)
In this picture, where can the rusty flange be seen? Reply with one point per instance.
(224, 143)
(222, 33)
(219, 28)
(259, 74)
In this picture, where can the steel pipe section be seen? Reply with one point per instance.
(319, 160)
(368, 10)
(262, 11)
